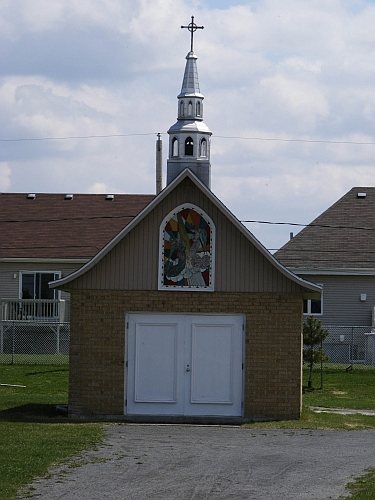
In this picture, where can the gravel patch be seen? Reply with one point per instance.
(162, 462)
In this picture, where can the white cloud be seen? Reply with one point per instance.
(303, 101)
(98, 188)
(40, 16)
(268, 69)
(298, 64)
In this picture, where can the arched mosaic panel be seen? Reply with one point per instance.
(186, 250)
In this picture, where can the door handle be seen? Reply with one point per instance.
(188, 368)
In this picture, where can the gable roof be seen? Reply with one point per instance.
(50, 226)
(342, 237)
(186, 173)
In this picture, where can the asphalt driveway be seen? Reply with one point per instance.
(203, 462)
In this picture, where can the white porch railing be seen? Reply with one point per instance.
(38, 310)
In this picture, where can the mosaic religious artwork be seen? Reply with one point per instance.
(187, 250)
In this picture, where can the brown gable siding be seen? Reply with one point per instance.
(342, 237)
(132, 264)
(52, 227)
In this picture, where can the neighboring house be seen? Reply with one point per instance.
(47, 236)
(184, 314)
(337, 251)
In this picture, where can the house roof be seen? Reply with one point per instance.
(52, 226)
(342, 237)
(309, 287)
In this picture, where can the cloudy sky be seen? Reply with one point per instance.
(289, 92)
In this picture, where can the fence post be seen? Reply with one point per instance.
(13, 340)
(58, 338)
(321, 363)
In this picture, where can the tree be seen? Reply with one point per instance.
(313, 336)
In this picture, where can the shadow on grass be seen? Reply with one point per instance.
(37, 413)
(47, 371)
(309, 390)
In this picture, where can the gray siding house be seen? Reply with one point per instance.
(337, 251)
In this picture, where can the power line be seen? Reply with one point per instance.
(274, 139)
(48, 247)
(60, 219)
(307, 225)
(128, 216)
(345, 251)
(294, 140)
(104, 217)
(74, 137)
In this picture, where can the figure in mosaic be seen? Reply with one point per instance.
(187, 250)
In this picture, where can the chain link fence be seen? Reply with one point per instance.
(25, 342)
(349, 345)
(346, 348)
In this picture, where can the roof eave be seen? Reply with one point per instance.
(333, 271)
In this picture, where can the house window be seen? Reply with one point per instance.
(182, 108)
(313, 306)
(190, 108)
(198, 108)
(175, 147)
(189, 147)
(187, 237)
(37, 295)
(34, 285)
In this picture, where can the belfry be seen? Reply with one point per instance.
(189, 137)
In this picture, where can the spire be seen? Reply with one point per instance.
(190, 83)
(189, 137)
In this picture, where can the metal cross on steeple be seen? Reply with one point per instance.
(192, 27)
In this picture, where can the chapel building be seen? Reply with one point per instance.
(184, 316)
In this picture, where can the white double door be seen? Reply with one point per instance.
(184, 364)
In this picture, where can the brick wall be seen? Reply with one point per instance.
(272, 358)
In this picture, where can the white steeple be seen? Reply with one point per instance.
(189, 137)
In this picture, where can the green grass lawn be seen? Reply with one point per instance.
(347, 389)
(341, 389)
(34, 436)
(364, 487)
(34, 359)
